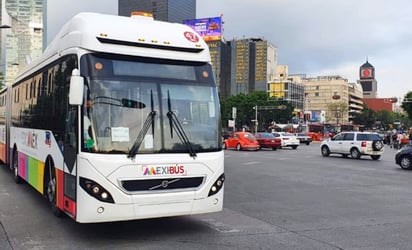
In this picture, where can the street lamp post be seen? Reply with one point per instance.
(256, 119)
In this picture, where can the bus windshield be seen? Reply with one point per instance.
(139, 105)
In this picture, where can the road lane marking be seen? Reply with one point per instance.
(251, 163)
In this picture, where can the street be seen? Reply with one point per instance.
(283, 199)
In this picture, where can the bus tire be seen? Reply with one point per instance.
(50, 188)
(15, 167)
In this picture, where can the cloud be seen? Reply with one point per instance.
(334, 37)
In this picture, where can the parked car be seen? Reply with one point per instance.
(241, 141)
(354, 144)
(268, 140)
(304, 138)
(404, 158)
(287, 139)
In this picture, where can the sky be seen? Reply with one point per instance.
(61, 11)
(324, 37)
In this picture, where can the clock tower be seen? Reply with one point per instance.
(367, 80)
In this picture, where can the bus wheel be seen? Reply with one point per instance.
(17, 178)
(50, 184)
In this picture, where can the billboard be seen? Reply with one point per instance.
(210, 29)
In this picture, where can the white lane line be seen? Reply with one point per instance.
(251, 163)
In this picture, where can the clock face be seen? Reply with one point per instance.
(366, 72)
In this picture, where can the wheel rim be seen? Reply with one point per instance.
(379, 145)
(51, 187)
(325, 151)
(354, 153)
(51, 190)
(15, 166)
(405, 162)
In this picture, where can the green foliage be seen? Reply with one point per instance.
(245, 104)
(382, 119)
(407, 104)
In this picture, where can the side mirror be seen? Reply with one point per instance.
(76, 88)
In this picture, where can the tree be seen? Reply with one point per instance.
(246, 113)
(407, 104)
(366, 118)
(384, 118)
(337, 110)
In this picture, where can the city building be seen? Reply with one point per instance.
(367, 80)
(22, 41)
(163, 10)
(220, 59)
(288, 88)
(355, 102)
(377, 104)
(253, 64)
(331, 99)
(369, 86)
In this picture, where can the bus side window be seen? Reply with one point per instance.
(71, 138)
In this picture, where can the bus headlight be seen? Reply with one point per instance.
(94, 189)
(217, 185)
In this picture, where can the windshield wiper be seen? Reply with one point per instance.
(177, 126)
(149, 122)
(125, 103)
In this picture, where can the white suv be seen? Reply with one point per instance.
(354, 144)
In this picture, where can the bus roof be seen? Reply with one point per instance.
(135, 35)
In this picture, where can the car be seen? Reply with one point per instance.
(304, 138)
(354, 144)
(404, 158)
(268, 140)
(287, 139)
(241, 141)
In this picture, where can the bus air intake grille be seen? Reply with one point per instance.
(162, 184)
(150, 46)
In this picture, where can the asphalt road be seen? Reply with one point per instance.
(284, 199)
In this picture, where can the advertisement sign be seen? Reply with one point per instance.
(210, 29)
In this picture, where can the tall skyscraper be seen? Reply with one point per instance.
(163, 10)
(253, 65)
(220, 59)
(23, 40)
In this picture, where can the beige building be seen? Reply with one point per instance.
(331, 99)
(288, 88)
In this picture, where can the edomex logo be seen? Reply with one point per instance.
(164, 170)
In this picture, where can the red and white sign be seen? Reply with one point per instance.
(366, 73)
(191, 36)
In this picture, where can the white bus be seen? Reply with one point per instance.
(118, 120)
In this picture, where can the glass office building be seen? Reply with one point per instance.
(163, 10)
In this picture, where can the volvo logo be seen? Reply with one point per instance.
(164, 184)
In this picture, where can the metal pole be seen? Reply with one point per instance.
(256, 121)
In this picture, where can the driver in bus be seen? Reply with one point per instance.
(87, 128)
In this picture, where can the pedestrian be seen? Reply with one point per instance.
(388, 139)
(393, 140)
(410, 139)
